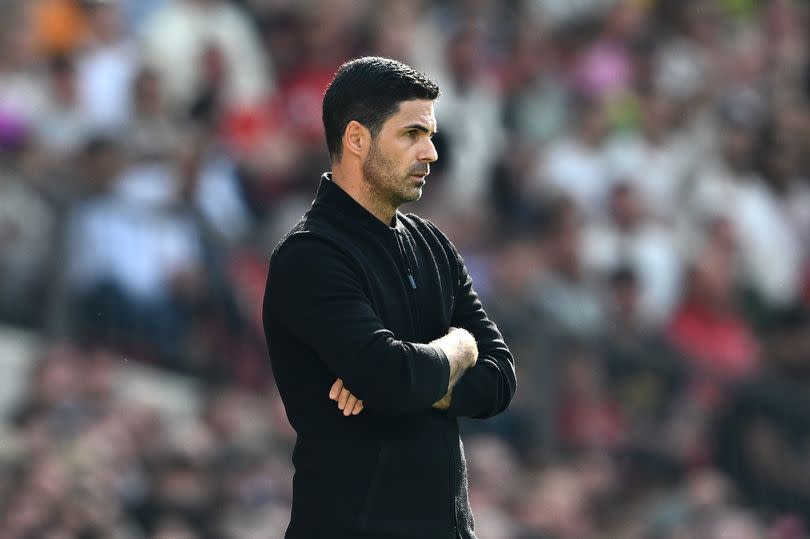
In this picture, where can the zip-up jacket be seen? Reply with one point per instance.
(350, 297)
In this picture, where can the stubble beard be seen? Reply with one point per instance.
(379, 173)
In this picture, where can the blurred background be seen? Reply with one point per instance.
(629, 182)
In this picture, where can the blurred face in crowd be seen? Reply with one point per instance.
(737, 146)
(463, 53)
(563, 247)
(625, 206)
(400, 154)
(106, 21)
(721, 236)
(657, 117)
(624, 290)
(147, 92)
(625, 19)
(592, 124)
(711, 281)
(64, 82)
(101, 166)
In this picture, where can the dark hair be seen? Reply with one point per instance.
(369, 91)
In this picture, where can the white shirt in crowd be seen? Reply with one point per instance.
(658, 171)
(174, 39)
(570, 167)
(105, 74)
(132, 237)
(770, 247)
(651, 251)
(472, 120)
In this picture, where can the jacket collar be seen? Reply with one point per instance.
(334, 200)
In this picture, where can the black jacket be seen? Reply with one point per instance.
(348, 296)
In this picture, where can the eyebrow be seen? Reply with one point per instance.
(419, 127)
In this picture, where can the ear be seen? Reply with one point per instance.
(356, 139)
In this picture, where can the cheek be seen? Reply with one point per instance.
(398, 160)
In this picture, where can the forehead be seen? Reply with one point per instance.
(414, 111)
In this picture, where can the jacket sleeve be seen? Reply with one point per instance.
(487, 388)
(315, 292)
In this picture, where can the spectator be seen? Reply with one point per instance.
(153, 131)
(630, 239)
(588, 419)
(469, 111)
(536, 99)
(762, 434)
(707, 327)
(22, 85)
(175, 38)
(409, 30)
(27, 239)
(768, 245)
(106, 68)
(565, 295)
(779, 161)
(656, 159)
(576, 165)
(605, 68)
(129, 218)
(63, 126)
(647, 380)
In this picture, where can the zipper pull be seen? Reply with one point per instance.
(411, 279)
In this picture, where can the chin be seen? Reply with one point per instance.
(415, 195)
(412, 196)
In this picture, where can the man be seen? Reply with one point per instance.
(374, 309)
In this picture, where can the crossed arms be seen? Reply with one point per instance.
(314, 291)
(462, 352)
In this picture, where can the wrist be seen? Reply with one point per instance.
(445, 401)
(468, 348)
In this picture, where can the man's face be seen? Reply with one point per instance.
(400, 155)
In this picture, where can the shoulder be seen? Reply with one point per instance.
(310, 246)
(426, 227)
(437, 240)
(302, 245)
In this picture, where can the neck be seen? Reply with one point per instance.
(352, 182)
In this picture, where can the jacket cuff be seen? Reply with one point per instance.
(436, 377)
(464, 402)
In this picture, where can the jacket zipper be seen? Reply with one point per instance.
(411, 285)
(407, 261)
(417, 328)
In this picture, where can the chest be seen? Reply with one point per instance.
(410, 284)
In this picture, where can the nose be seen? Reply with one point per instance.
(427, 153)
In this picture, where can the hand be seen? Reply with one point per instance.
(444, 403)
(347, 402)
(468, 345)
(461, 350)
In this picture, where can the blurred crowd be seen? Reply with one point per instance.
(628, 181)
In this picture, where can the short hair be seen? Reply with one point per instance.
(369, 90)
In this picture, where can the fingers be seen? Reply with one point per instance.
(357, 407)
(344, 397)
(335, 390)
(350, 403)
